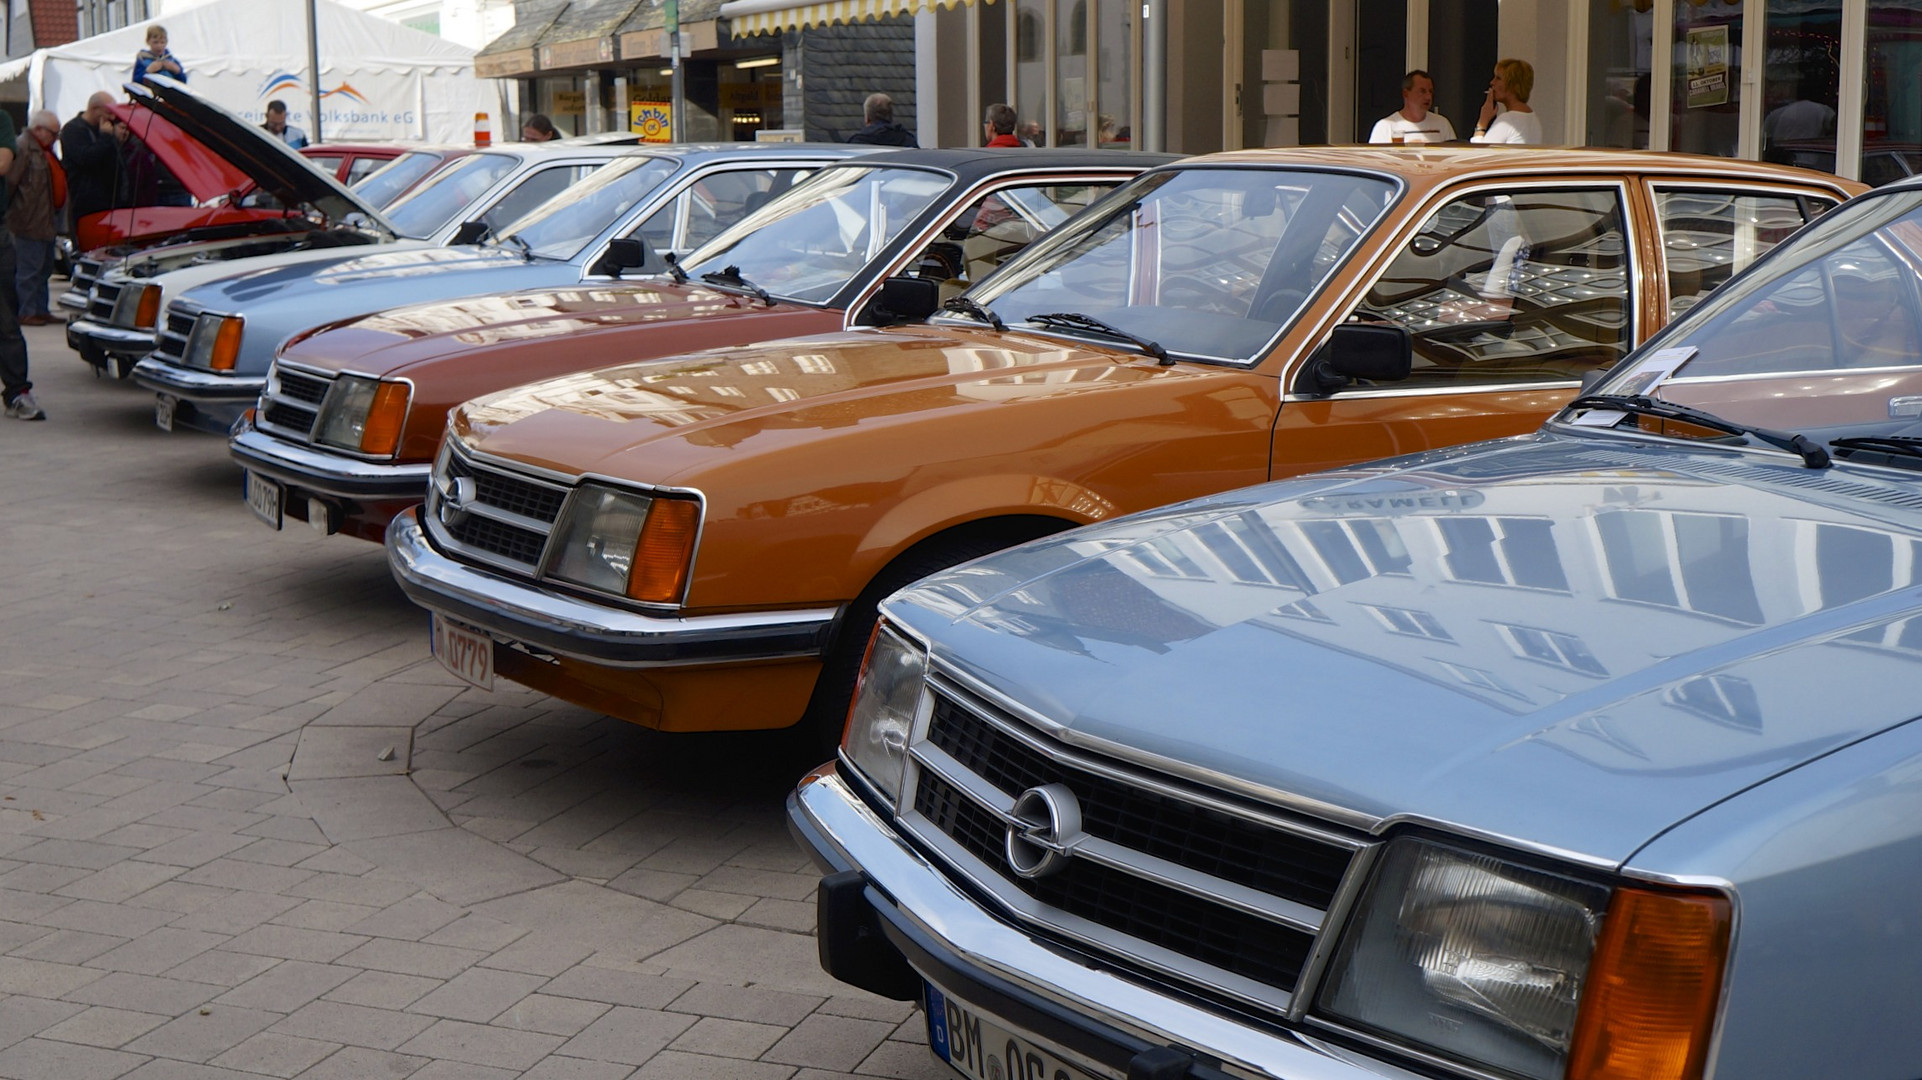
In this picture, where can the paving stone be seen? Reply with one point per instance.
(22, 1016)
(904, 1061)
(714, 905)
(354, 1025)
(218, 967)
(293, 943)
(412, 958)
(360, 1063)
(456, 865)
(154, 953)
(67, 947)
(101, 1026)
(144, 993)
(478, 995)
(539, 953)
(751, 1003)
(864, 1006)
(476, 932)
(629, 1036)
(552, 1015)
(237, 912)
(456, 1070)
(45, 1059)
(195, 849)
(566, 1068)
(334, 752)
(276, 1055)
(829, 1042)
(325, 915)
(278, 852)
(412, 919)
(43, 877)
(594, 915)
(203, 1034)
(121, 881)
(616, 987)
(481, 1044)
(674, 1065)
(728, 1038)
(747, 955)
(383, 990)
(365, 808)
(287, 986)
(42, 979)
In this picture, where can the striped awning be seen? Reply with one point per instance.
(773, 16)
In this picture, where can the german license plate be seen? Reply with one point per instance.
(264, 497)
(469, 654)
(163, 410)
(979, 1046)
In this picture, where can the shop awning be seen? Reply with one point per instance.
(644, 34)
(773, 16)
(513, 52)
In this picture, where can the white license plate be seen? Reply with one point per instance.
(469, 654)
(264, 497)
(979, 1046)
(163, 410)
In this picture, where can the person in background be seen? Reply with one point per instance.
(278, 126)
(90, 150)
(36, 195)
(16, 390)
(881, 130)
(538, 128)
(1516, 124)
(1030, 133)
(998, 126)
(155, 59)
(1416, 122)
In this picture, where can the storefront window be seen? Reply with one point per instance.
(1071, 73)
(1031, 60)
(1114, 103)
(1892, 112)
(1706, 98)
(1621, 45)
(1801, 77)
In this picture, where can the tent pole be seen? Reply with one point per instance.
(313, 63)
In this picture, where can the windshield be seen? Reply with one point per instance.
(421, 212)
(392, 180)
(1210, 262)
(560, 227)
(1822, 338)
(807, 244)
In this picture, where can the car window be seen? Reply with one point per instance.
(807, 244)
(1710, 236)
(327, 163)
(560, 227)
(361, 168)
(530, 191)
(383, 186)
(1211, 262)
(996, 228)
(1511, 287)
(442, 196)
(719, 200)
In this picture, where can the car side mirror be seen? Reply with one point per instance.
(627, 253)
(1371, 352)
(471, 232)
(904, 300)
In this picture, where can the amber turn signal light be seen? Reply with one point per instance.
(381, 433)
(1653, 987)
(226, 348)
(666, 548)
(147, 313)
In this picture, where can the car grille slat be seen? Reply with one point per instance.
(510, 493)
(290, 405)
(288, 417)
(172, 346)
(295, 386)
(1224, 859)
(101, 300)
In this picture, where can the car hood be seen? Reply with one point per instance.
(399, 340)
(187, 278)
(202, 171)
(1573, 641)
(270, 163)
(657, 419)
(275, 292)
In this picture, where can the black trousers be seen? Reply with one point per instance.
(13, 344)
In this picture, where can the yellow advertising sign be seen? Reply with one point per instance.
(653, 119)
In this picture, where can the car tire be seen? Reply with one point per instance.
(820, 728)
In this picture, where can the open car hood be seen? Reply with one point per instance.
(242, 147)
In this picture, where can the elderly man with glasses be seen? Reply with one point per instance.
(39, 187)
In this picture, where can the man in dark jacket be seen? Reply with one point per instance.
(90, 152)
(881, 130)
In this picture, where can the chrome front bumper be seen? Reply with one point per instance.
(118, 340)
(315, 470)
(563, 625)
(950, 939)
(198, 386)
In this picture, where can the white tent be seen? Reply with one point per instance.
(378, 80)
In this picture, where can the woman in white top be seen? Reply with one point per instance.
(1516, 123)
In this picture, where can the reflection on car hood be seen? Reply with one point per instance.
(299, 263)
(674, 413)
(294, 287)
(392, 341)
(1567, 640)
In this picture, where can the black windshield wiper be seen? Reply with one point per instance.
(674, 268)
(980, 311)
(1074, 320)
(527, 252)
(1893, 445)
(732, 276)
(1802, 446)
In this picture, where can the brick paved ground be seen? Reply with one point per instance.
(208, 871)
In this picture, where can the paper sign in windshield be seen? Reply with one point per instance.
(1640, 381)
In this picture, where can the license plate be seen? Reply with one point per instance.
(163, 411)
(469, 654)
(264, 497)
(979, 1046)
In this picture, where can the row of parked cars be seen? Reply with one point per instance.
(1332, 612)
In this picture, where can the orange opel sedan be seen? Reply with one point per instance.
(700, 543)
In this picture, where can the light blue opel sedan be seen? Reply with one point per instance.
(1585, 754)
(218, 337)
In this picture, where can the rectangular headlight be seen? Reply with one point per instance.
(1464, 954)
(137, 306)
(887, 694)
(343, 413)
(597, 535)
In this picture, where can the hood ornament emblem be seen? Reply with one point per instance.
(1043, 827)
(456, 495)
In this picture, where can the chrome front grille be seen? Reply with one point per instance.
(1162, 879)
(290, 405)
(101, 300)
(178, 328)
(504, 523)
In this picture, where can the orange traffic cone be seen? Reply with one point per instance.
(483, 133)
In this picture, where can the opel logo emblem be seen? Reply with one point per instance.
(455, 497)
(1043, 827)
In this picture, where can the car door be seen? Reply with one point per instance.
(712, 201)
(529, 191)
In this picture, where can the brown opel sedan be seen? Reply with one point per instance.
(700, 543)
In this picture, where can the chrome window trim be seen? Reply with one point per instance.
(1389, 250)
(1367, 393)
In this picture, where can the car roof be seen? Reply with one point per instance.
(1435, 164)
(973, 162)
(694, 153)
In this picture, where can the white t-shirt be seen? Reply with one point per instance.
(1518, 128)
(1432, 128)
